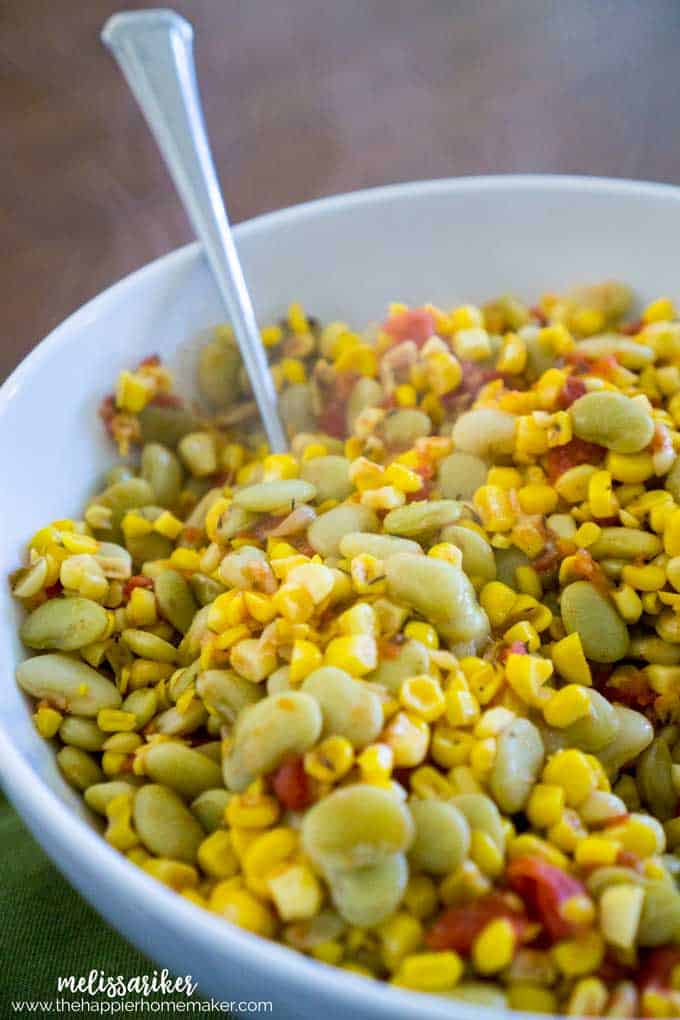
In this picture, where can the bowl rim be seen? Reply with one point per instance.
(22, 785)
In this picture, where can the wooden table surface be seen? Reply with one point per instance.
(305, 98)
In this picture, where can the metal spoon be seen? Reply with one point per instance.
(154, 51)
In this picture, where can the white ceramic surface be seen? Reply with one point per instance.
(346, 257)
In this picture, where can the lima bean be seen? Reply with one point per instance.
(402, 428)
(183, 769)
(485, 432)
(660, 917)
(355, 827)
(518, 762)
(654, 782)
(218, 372)
(612, 420)
(161, 468)
(278, 725)
(442, 836)
(64, 624)
(421, 516)
(368, 895)
(603, 633)
(479, 562)
(366, 392)
(99, 796)
(165, 824)
(143, 703)
(226, 692)
(597, 729)
(234, 569)
(381, 546)
(282, 494)
(325, 533)
(166, 425)
(628, 353)
(174, 723)
(77, 731)
(349, 707)
(441, 593)
(460, 475)
(412, 659)
(175, 599)
(634, 734)
(67, 683)
(296, 407)
(482, 813)
(209, 808)
(329, 475)
(625, 544)
(78, 768)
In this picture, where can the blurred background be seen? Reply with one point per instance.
(305, 98)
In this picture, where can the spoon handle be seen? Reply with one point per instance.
(154, 51)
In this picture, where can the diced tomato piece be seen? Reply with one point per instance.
(458, 927)
(571, 391)
(390, 648)
(545, 889)
(136, 581)
(292, 785)
(656, 969)
(576, 451)
(604, 366)
(632, 328)
(150, 361)
(54, 590)
(630, 688)
(415, 324)
(168, 400)
(548, 559)
(333, 419)
(539, 315)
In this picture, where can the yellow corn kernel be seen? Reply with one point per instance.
(279, 466)
(524, 632)
(400, 935)
(252, 810)
(305, 658)
(141, 609)
(594, 851)
(267, 852)
(296, 892)
(242, 908)
(375, 763)
(661, 310)
(423, 632)
(545, 806)
(181, 877)
(368, 572)
(330, 760)
(573, 484)
(572, 770)
(537, 499)
(566, 706)
(466, 317)
(529, 844)
(485, 853)
(420, 898)
(513, 356)
(406, 395)
(359, 619)
(482, 757)
(187, 560)
(587, 534)
(427, 782)
(495, 508)
(640, 834)
(135, 526)
(330, 952)
(260, 607)
(402, 478)
(630, 468)
(579, 956)
(47, 721)
(531, 998)
(216, 855)
(423, 696)
(119, 832)
(671, 534)
(494, 947)
(526, 674)
(134, 391)
(601, 498)
(317, 579)
(644, 578)
(620, 910)
(504, 478)
(387, 497)
(497, 599)
(271, 335)
(357, 654)
(462, 707)
(443, 372)
(472, 344)
(451, 747)
(484, 678)
(430, 972)
(567, 832)
(628, 603)
(169, 525)
(408, 736)
(114, 720)
(569, 659)
(79, 544)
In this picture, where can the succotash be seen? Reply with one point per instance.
(406, 699)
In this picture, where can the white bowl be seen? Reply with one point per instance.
(345, 257)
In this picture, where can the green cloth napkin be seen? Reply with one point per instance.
(47, 931)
